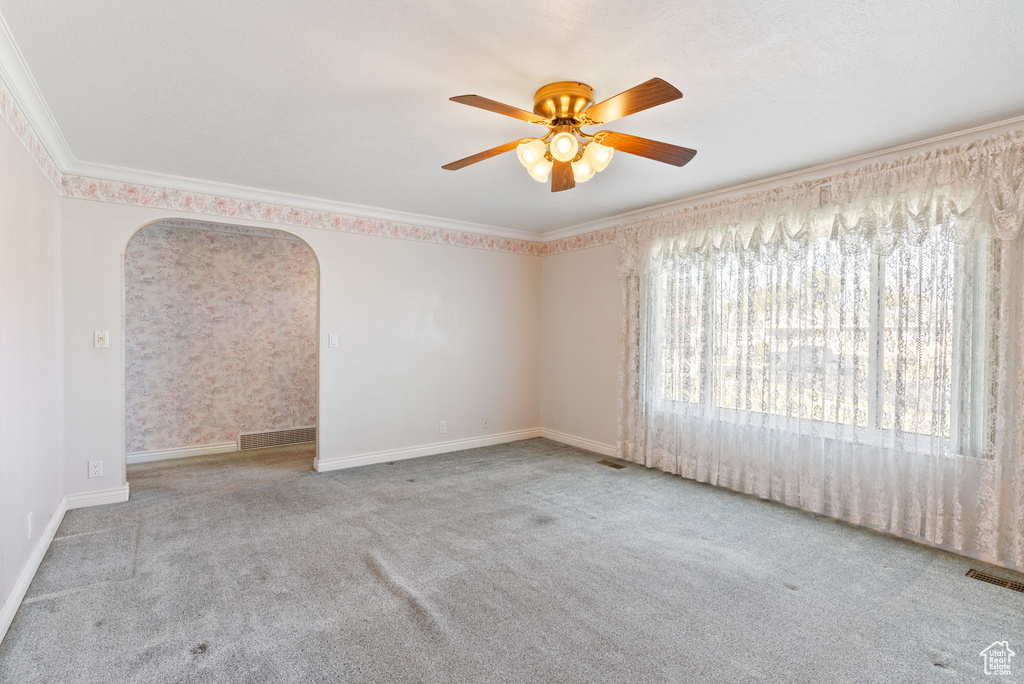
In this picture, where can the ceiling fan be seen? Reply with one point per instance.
(566, 153)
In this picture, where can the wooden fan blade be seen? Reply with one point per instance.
(498, 108)
(480, 156)
(652, 149)
(644, 96)
(561, 177)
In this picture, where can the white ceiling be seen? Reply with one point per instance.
(348, 101)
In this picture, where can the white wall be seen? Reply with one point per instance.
(31, 405)
(427, 333)
(581, 303)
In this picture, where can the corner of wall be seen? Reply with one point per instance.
(28, 570)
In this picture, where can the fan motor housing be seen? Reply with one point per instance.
(563, 100)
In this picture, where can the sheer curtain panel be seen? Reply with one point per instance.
(851, 347)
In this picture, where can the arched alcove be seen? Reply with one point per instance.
(220, 325)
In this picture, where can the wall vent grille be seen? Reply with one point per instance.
(260, 440)
(611, 464)
(998, 581)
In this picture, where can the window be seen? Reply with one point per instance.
(821, 331)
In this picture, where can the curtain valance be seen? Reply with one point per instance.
(971, 189)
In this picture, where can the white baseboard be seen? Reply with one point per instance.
(13, 601)
(572, 440)
(325, 464)
(181, 452)
(105, 496)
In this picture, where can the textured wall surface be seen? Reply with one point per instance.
(220, 330)
(31, 399)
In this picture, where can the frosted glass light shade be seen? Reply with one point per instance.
(564, 146)
(530, 152)
(541, 170)
(582, 171)
(598, 155)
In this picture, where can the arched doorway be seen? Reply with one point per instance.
(221, 341)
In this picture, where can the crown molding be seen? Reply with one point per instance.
(163, 181)
(34, 123)
(23, 89)
(810, 173)
(25, 110)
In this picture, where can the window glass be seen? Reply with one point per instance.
(679, 318)
(815, 332)
(792, 336)
(918, 338)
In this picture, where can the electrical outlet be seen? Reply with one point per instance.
(100, 338)
(487, 423)
(442, 427)
(28, 532)
(95, 468)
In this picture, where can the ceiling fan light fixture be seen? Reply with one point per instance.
(541, 170)
(582, 171)
(564, 146)
(530, 151)
(565, 153)
(598, 155)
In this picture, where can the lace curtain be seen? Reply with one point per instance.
(850, 347)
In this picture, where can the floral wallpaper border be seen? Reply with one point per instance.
(82, 187)
(134, 194)
(578, 242)
(25, 132)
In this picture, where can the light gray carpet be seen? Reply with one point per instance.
(526, 562)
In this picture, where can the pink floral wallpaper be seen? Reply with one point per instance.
(220, 334)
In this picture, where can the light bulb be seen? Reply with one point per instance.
(598, 155)
(582, 171)
(530, 152)
(541, 170)
(564, 146)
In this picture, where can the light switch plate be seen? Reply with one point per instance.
(101, 338)
(332, 340)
